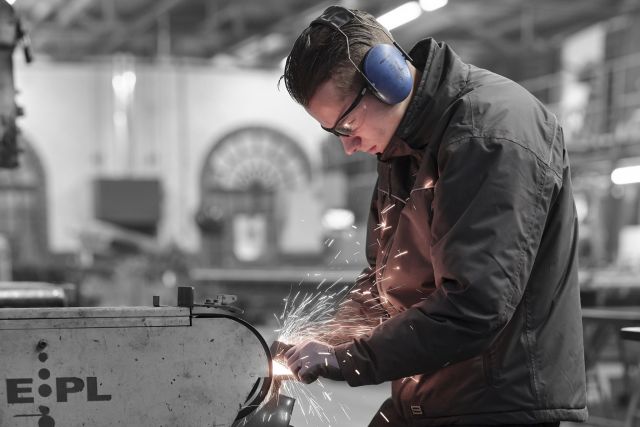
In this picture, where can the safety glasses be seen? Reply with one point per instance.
(340, 128)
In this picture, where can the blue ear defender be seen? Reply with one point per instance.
(384, 67)
(387, 71)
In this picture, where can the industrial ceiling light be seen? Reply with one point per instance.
(402, 14)
(431, 5)
(626, 175)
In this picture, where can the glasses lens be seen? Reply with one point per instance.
(333, 131)
(347, 122)
(350, 124)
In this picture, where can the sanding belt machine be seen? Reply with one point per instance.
(187, 365)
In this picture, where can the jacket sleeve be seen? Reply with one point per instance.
(489, 209)
(360, 311)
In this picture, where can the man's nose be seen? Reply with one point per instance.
(348, 145)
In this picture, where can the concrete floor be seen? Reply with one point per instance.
(348, 407)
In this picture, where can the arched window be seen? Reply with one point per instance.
(240, 215)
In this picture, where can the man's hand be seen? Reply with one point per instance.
(313, 359)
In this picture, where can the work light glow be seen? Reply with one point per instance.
(338, 219)
(626, 175)
(280, 369)
(400, 15)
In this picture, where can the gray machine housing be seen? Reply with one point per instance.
(129, 366)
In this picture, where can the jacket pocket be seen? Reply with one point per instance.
(491, 360)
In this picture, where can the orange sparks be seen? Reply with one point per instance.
(387, 209)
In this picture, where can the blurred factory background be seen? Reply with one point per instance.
(157, 150)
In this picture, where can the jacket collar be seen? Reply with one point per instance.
(397, 147)
(444, 76)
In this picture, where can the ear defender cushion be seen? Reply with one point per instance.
(387, 70)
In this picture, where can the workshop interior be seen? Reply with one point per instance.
(169, 217)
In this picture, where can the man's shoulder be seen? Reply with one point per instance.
(496, 107)
(487, 115)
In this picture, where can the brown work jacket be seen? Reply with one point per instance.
(472, 246)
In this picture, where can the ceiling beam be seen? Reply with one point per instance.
(464, 20)
(38, 12)
(536, 26)
(71, 11)
(109, 12)
(229, 26)
(142, 23)
(291, 23)
(487, 33)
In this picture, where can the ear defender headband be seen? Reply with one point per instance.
(384, 66)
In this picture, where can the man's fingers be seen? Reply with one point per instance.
(296, 366)
(294, 353)
(292, 358)
(307, 360)
(308, 379)
(309, 373)
(290, 352)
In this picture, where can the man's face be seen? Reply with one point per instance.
(361, 121)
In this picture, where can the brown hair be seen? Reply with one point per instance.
(320, 53)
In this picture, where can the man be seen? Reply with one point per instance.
(472, 235)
